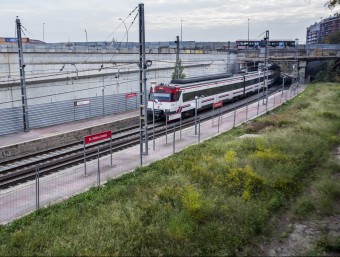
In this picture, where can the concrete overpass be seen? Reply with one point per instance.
(300, 56)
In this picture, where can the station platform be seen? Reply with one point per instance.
(39, 139)
(24, 198)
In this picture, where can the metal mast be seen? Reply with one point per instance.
(142, 86)
(22, 78)
(266, 65)
(177, 57)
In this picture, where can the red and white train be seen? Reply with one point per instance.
(182, 96)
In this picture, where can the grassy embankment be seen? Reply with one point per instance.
(210, 199)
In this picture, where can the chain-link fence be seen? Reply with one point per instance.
(47, 114)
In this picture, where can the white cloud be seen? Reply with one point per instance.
(203, 20)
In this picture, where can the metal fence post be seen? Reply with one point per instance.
(153, 124)
(180, 128)
(199, 130)
(166, 130)
(247, 113)
(195, 115)
(283, 87)
(213, 119)
(98, 171)
(221, 116)
(174, 139)
(37, 186)
(84, 160)
(258, 105)
(218, 123)
(103, 101)
(111, 149)
(234, 117)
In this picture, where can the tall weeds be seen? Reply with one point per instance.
(210, 199)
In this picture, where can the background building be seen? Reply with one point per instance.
(313, 34)
(319, 31)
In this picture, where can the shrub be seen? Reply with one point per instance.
(304, 207)
(244, 181)
(329, 115)
(192, 202)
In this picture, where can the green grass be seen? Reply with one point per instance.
(209, 199)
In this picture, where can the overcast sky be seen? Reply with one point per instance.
(203, 20)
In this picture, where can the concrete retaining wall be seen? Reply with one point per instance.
(41, 144)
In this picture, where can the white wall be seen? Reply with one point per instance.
(80, 77)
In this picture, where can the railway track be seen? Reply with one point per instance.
(19, 170)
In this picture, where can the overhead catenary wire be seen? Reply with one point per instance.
(78, 83)
(73, 91)
(80, 90)
(120, 24)
(26, 31)
(125, 35)
(66, 73)
(113, 66)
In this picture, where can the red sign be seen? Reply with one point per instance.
(130, 95)
(218, 104)
(97, 137)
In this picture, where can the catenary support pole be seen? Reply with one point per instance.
(142, 86)
(22, 78)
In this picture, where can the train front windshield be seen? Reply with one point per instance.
(161, 97)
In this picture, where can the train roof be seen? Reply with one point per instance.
(194, 81)
(210, 80)
(200, 78)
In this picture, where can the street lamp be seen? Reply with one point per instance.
(127, 32)
(86, 36)
(248, 37)
(181, 30)
(44, 32)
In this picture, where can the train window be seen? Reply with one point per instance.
(214, 91)
(162, 97)
(189, 96)
(176, 96)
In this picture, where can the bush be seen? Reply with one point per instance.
(305, 206)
